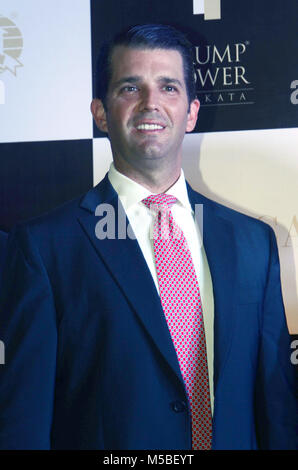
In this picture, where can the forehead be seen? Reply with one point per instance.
(127, 61)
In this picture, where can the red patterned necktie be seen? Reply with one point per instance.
(181, 302)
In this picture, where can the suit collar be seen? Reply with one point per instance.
(103, 192)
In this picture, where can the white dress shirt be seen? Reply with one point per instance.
(141, 221)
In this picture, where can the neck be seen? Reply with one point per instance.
(155, 181)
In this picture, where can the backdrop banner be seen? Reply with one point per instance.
(243, 151)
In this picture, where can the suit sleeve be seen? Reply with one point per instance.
(28, 331)
(276, 400)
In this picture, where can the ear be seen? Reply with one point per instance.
(99, 114)
(192, 115)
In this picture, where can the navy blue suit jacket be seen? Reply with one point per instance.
(3, 240)
(89, 359)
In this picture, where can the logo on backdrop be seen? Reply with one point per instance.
(221, 74)
(211, 9)
(294, 94)
(11, 46)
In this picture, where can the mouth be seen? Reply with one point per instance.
(149, 127)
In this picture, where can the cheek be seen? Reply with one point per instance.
(119, 116)
(179, 114)
(184, 122)
(115, 122)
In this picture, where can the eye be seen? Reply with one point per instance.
(129, 89)
(170, 88)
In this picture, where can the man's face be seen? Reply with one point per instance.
(147, 112)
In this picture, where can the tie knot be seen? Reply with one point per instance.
(159, 201)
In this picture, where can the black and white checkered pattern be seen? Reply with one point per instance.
(49, 148)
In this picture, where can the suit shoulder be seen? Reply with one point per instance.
(238, 217)
(59, 219)
(239, 220)
(63, 217)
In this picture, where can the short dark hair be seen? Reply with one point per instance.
(147, 36)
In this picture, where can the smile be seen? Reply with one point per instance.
(149, 127)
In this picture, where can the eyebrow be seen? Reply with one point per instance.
(168, 80)
(130, 79)
(138, 79)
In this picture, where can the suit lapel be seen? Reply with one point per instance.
(126, 264)
(124, 260)
(220, 247)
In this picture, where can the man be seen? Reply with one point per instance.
(94, 359)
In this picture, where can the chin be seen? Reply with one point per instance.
(151, 151)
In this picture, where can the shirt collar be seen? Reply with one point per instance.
(130, 192)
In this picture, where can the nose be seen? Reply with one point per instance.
(149, 99)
